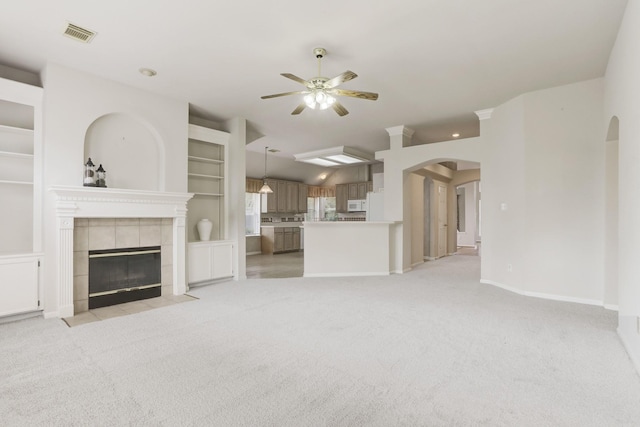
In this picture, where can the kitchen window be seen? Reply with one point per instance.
(321, 209)
(252, 214)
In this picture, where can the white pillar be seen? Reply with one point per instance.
(65, 266)
(179, 253)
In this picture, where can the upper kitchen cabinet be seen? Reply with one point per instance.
(351, 191)
(303, 193)
(287, 197)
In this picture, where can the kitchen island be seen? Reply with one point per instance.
(348, 248)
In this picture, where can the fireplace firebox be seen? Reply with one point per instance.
(117, 276)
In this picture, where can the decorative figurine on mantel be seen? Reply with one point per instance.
(89, 174)
(101, 174)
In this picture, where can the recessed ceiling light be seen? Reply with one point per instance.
(455, 135)
(148, 72)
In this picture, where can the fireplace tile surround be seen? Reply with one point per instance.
(116, 218)
(116, 233)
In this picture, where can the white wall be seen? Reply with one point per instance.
(73, 100)
(622, 89)
(503, 209)
(564, 191)
(542, 181)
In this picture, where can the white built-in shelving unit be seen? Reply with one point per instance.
(20, 196)
(207, 179)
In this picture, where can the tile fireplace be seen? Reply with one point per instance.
(115, 218)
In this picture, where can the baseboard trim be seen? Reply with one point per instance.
(611, 307)
(628, 348)
(20, 316)
(415, 264)
(314, 275)
(430, 258)
(255, 253)
(540, 295)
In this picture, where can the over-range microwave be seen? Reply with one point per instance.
(356, 205)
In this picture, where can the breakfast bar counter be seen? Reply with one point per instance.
(348, 248)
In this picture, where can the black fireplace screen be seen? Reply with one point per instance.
(123, 275)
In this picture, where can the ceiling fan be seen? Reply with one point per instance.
(320, 91)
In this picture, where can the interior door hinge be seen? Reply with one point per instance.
(38, 263)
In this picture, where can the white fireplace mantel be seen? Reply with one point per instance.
(92, 202)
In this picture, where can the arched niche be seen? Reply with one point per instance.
(129, 149)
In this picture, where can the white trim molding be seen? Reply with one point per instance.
(543, 295)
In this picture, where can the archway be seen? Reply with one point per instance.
(610, 296)
(439, 216)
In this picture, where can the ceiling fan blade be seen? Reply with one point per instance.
(298, 109)
(284, 94)
(355, 94)
(338, 108)
(338, 80)
(296, 79)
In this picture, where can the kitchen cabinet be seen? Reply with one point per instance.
(288, 239)
(342, 195)
(351, 191)
(292, 197)
(287, 197)
(280, 239)
(269, 201)
(297, 243)
(363, 187)
(303, 193)
(281, 196)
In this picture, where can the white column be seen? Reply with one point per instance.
(179, 253)
(65, 266)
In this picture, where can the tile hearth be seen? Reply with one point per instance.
(104, 313)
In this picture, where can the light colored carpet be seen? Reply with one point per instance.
(432, 347)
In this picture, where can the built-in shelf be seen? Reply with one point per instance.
(201, 175)
(205, 160)
(16, 130)
(4, 181)
(208, 194)
(16, 155)
(206, 177)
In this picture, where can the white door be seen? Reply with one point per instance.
(442, 220)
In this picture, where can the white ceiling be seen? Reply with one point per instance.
(433, 62)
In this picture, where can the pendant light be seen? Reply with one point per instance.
(265, 189)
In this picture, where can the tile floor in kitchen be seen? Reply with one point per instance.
(289, 264)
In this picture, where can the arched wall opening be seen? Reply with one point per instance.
(130, 150)
(610, 296)
(437, 232)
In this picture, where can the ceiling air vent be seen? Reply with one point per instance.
(78, 33)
